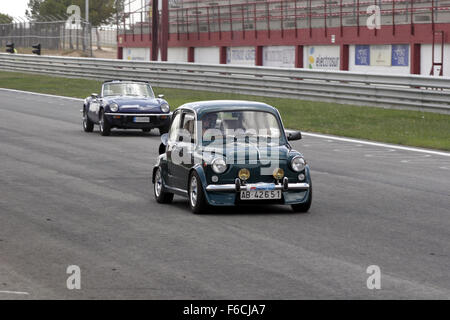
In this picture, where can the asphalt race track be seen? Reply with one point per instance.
(73, 198)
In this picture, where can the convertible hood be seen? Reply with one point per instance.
(136, 104)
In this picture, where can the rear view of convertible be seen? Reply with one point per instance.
(126, 105)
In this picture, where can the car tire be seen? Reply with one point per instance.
(161, 195)
(146, 130)
(164, 129)
(88, 125)
(196, 196)
(303, 207)
(105, 127)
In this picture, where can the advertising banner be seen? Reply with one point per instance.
(322, 57)
(400, 55)
(362, 55)
(241, 55)
(279, 56)
(380, 55)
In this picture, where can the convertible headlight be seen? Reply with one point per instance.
(298, 163)
(219, 165)
(114, 107)
(165, 107)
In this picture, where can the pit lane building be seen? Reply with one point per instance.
(376, 36)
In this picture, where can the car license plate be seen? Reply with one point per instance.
(141, 119)
(260, 194)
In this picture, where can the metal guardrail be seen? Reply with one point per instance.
(424, 93)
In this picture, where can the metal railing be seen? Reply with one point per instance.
(424, 93)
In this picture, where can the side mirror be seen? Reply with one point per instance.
(94, 96)
(295, 135)
(164, 138)
(161, 96)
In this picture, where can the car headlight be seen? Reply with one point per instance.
(165, 107)
(114, 107)
(219, 165)
(298, 163)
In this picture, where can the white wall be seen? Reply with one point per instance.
(208, 55)
(426, 56)
(321, 57)
(378, 67)
(241, 56)
(177, 54)
(136, 54)
(279, 56)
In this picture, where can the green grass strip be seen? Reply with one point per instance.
(404, 127)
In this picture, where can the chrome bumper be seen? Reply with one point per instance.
(138, 114)
(254, 186)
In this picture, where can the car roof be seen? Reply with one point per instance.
(201, 107)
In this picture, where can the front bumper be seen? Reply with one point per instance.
(256, 186)
(126, 120)
(138, 114)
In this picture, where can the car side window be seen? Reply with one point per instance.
(175, 127)
(189, 125)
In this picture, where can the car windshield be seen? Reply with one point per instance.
(127, 89)
(241, 125)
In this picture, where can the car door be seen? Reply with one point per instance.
(94, 107)
(185, 148)
(172, 148)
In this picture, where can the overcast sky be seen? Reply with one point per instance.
(13, 8)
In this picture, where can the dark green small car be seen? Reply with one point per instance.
(227, 153)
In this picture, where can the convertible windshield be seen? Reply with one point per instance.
(241, 124)
(127, 89)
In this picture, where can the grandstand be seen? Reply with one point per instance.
(412, 35)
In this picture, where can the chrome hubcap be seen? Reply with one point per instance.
(193, 191)
(101, 122)
(158, 183)
(84, 120)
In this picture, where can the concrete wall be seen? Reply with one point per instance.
(178, 54)
(208, 55)
(426, 58)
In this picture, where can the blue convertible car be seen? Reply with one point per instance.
(126, 105)
(226, 153)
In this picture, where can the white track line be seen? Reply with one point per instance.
(316, 135)
(377, 144)
(15, 292)
(42, 94)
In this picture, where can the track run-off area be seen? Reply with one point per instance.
(73, 198)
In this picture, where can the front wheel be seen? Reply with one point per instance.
(303, 207)
(88, 125)
(197, 200)
(105, 127)
(164, 129)
(161, 195)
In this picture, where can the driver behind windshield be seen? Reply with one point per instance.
(209, 121)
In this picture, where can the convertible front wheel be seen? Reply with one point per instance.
(197, 200)
(88, 125)
(161, 195)
(105, 127)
